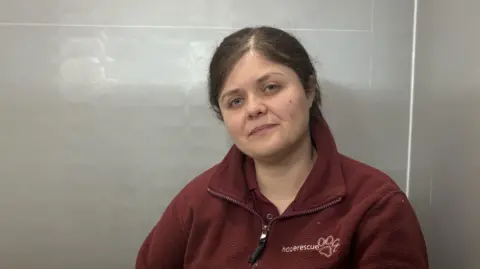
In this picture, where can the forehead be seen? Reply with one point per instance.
(251, 67)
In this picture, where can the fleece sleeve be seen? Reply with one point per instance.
(164, 247)
(390, 237)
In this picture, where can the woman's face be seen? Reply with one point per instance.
(264, 107)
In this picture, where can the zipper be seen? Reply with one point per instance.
(265, 228)
(253, 260)
(261, 246)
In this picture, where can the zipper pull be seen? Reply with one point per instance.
(261, 245)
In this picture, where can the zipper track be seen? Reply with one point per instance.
(266, 228)
(302, 213)
(311, 211)
(237, 203)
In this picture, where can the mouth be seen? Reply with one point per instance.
(259, 130)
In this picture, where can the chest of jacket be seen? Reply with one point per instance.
(229, 237)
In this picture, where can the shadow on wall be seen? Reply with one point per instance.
(370, 125)
(341, 110)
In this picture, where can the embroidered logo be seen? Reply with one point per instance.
(326, 246)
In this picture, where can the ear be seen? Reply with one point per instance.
(311, 91)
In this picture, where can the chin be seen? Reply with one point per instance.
(265, 151)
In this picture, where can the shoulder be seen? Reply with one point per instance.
(387, 226)
(169, 237)
(366, 184)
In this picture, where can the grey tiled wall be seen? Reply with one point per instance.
(445, 156)
(103, 114)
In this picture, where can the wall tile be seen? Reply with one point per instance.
(310, 14)
(199, 13)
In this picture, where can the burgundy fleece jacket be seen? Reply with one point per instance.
(347, 215)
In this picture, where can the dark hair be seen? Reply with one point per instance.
(274, 44)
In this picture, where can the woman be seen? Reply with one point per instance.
(283, 196)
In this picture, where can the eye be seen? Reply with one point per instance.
(235, 102)
(271, 87)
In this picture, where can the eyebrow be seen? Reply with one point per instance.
(258, 81)
(267, 76)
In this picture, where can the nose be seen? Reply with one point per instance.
(255, 108)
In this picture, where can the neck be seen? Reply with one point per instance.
(283, 178)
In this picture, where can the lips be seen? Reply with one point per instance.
(262, 128)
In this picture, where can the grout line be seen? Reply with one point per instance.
(372, 39)
(372, 15)
(77, 25)
(33, 24)
(324, 30)
(370, 74)
(412, 99)
(430, 193)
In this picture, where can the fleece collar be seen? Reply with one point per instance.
(324, 184)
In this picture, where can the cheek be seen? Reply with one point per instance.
(234, 126)
(293, 107)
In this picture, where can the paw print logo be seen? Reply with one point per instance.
(328, 246)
